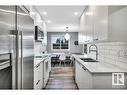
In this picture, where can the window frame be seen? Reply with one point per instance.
(60, 44)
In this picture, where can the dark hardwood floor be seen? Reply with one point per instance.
(61, 78)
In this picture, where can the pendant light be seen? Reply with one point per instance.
(67, 36)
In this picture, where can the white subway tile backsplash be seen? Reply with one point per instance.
(111, 52)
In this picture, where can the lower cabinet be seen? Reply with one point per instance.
(46, 71)
(83, 77)
(41, 73)
(38, 74)
(88, 80)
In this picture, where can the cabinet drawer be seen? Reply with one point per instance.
(38, 76)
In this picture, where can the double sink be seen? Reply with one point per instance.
(88, 60)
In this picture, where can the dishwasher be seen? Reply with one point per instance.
(5, 71)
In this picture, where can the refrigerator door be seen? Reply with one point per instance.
(25, 39)
(7, 45)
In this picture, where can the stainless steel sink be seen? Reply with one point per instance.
(88, 60)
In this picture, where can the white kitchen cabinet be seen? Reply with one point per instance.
(38, 76)
(86, 26)
(117, 23)
(77, 73)
(83, 77)
(103, 23)
(94, 24)
(89, 24)
(82, 37)
(87, 80)
(47, 69)
(100, 22)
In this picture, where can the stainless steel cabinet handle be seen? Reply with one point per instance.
(84, 69)
(21, 56)
(37, 82)
(37, 65)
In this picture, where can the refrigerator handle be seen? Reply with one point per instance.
(21, 51)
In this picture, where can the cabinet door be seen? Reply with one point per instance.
(89, 23)
(38, 76)
(81, 31)
(85, 79)
(117, 23)
(77, 73)
(100, 23)
(49, 64)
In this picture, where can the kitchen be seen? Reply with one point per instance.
(63, 47)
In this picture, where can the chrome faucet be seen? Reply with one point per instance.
(94, 50)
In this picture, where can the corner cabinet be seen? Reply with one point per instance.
(94, 24)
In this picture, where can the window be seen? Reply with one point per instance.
(59, 43)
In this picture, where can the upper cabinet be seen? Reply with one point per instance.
(117, 23)
(86, 26)
(103, 23)
(82, 34)
(100, 17)
(89, 24)
(94, 24)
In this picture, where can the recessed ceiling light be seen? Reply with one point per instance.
(75, 13)
(48, 21)
(44, 13)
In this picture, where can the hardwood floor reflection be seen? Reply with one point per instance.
(61, 78)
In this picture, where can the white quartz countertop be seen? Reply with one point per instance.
(100, 67)
(38, 60)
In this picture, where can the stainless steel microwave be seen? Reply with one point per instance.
(39, 34)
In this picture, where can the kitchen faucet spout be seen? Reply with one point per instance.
(94, 50)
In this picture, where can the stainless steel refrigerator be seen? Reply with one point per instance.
(17, 39)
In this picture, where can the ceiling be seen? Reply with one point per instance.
(58, 18)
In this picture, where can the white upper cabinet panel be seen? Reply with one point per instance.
(118, 23)
(89, 23)
(100, 23)
(82, 33)
(104, 23)
(94, 24)
(80, 38)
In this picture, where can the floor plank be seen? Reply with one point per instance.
(61, 78)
